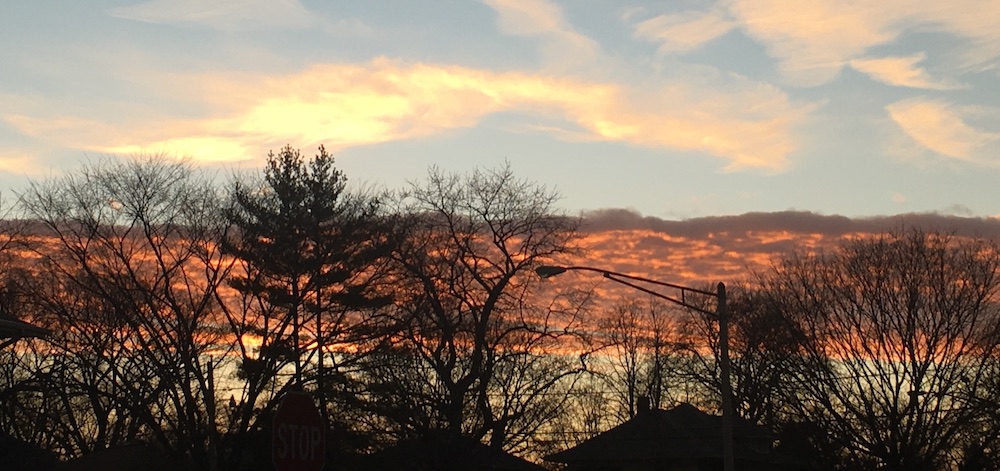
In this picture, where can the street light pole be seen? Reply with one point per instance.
(721, 314)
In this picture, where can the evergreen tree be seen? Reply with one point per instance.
(309, 251)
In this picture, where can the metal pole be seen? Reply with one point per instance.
(721, 313)
(727, 388)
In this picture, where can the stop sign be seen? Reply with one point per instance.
(298, 436)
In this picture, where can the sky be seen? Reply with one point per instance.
(674, 110)
(701, 251)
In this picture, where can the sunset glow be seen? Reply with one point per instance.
(676, 111)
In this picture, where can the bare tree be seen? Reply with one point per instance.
(495, 364)
(642, 345)
(22, 399)
(899, 342)
(585, 415)
(124, 263)
(763, 345)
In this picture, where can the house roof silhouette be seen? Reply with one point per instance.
(442, 451)
(681, 437)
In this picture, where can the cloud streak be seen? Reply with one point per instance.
(562, 46)
(941, 128)
(816, 38)
(348, 105)
(901, 72)
(684, 32)
(228, 15)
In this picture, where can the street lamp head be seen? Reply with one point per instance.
(546, 271)
(721, 313)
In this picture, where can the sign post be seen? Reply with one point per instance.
(298, 436)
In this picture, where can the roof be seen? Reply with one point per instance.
(683, 432)
(125, 457)
(444, 452)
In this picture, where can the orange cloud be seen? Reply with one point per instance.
(816, 38)
(702, 251)
(749, 126)
(19, 161)
(900, 71)
(528, 17)
(940, 128)
(562, 47)
(683, 32)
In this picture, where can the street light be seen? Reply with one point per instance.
(721, 313)
(12, 330)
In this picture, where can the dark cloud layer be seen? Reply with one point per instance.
(791, 221)
(733, 248)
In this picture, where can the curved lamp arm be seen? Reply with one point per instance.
(721, 314)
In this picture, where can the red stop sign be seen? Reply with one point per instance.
(298, 436)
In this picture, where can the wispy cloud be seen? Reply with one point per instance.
(562, 47)
(941, 128)
(816, 38)
(813, 40)
(20, 161)
(683, 32)
(901, 72)
(232, 15)
(747, 124)
(349, 27)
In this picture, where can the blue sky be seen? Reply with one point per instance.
(675, 109)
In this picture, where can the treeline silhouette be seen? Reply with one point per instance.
(181, 310)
